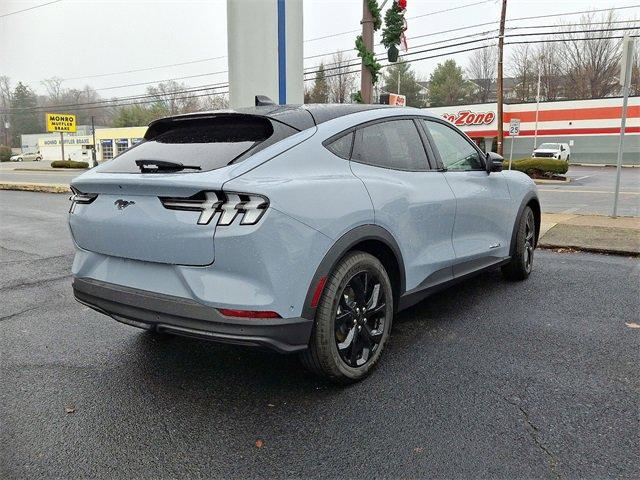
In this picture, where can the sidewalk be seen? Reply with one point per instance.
(593, 233)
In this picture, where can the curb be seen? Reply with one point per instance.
(51, 170)
(543, 181)
(578, 248)
(35, 187)
(603, 165)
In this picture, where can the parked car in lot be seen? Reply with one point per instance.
(560, 151)
(26, 157)
(297, 228)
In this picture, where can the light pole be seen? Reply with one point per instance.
(535, 131)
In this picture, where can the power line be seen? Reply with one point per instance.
(30, 8)
(162, 81)
(143, 69)
(147, 68)
(106, 102)
(381, 55)
(408, 18)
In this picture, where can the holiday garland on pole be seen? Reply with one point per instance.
(395, 25)
(368, 57)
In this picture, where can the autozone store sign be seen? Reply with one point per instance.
(468, 118)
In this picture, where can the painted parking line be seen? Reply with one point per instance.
(575, 190)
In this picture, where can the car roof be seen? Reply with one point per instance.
(299, 117)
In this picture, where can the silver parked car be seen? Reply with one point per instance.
(26, 157)
(297, 228)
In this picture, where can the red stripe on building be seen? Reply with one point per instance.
(557, 132)
(593, 113)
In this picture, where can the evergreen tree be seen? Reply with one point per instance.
(409, 85)
(23, 120)
(320, 91)
(447, 85)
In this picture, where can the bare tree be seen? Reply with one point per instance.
(548, 63)
(592, 65)
(341, 81)
(521, 67)
(5, 102)
(634, 88)
(482, 72)
(172, 96)
(215, 102)
(54, 89)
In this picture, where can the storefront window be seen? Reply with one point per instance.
(107, 149)
(122, 144)
(135, 141)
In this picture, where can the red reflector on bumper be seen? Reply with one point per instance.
(318, 292)
(247, 313)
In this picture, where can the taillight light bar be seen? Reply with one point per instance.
(81, 198)
(228, 204)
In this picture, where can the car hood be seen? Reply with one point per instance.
(546, 150)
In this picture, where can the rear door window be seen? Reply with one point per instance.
(342, 146)
(208, 143)
(392, 144)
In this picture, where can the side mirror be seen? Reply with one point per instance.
(493, 162)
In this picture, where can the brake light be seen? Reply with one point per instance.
(227, 312)
(250, 206)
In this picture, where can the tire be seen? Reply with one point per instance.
(38, 159)
(338, 347)
(521, 264)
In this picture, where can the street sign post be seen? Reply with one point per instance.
(61, 122)
(625, 81)
(514, 131)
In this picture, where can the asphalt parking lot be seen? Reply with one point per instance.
(488, 379)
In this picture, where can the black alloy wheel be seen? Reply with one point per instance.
(353, 320)
(360, 318)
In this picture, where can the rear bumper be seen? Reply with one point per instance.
(182, 316)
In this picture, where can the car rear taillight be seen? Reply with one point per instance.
(81, 198)
(251, 207)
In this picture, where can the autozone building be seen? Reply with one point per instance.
(590, 127)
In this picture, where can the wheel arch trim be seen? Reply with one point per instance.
(345, 244)
(527, 199)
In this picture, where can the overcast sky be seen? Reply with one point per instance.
(81, 38)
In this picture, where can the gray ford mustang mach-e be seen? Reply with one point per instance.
(298, 228)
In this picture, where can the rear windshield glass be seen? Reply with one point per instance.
(205, 143)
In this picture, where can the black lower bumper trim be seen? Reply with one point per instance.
(182, 316)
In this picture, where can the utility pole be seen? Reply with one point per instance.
(625, 80)
(366, 85)
(500, 92)
(535, 132)
(93, 151)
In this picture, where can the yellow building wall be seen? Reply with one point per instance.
(112, 141)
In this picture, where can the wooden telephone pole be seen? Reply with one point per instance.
(500, 92)
(366, 84)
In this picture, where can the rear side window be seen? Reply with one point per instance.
(342, 146)
(208, 143)
(394, 144)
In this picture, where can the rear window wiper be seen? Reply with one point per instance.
(152, 166)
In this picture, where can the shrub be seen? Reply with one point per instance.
(539, 166)
(69, 164)
(5, 153)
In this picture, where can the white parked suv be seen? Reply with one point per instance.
(558, 151)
